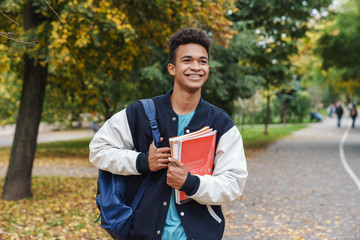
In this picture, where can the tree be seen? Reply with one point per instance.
(338, 47)
(88, 63)
(17, 181)
(232, 76)
(278, 25)
(286, 95)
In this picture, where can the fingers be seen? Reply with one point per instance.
(158, 157)
(175, 162)
(176, 174)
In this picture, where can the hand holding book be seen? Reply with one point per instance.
(196, 151)
(176, 174)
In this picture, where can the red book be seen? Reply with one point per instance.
(196, 151)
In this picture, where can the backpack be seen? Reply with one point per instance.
(116, 216)
(353, 112)
(339, 111)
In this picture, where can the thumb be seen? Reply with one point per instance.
(175, 162)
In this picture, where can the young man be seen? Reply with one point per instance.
(124, 146)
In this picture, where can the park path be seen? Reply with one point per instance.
(298, 188)
(7, 135)
(47, 135)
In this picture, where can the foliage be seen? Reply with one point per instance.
(307, 65)
(285, 96)
(98, 52)
(278, 25)
(339, 45)
(10, 86)
(231, 75)
(300, 107)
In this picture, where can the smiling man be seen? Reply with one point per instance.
(124, 146)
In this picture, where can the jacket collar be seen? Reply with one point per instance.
(200, 111)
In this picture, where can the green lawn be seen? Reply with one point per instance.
(254, 138)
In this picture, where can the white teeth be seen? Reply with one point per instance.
(194, 76)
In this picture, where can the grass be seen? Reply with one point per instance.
(74, 148)
(255, 140)
(63, 153)
(64, 207)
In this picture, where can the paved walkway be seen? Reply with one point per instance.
(67, 168)
(6, 138)
(298, 188)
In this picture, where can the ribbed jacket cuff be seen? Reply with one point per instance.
(191, 185)
(142, 163)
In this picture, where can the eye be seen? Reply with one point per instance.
(203, 62)
(186, 60)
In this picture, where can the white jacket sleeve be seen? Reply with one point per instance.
(112, 148)
(229, 176)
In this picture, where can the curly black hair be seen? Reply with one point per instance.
(185, 36)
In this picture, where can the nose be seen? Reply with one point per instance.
(195, 66)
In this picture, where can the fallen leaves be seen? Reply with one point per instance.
(62, 208)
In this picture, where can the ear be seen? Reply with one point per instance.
(171, 69)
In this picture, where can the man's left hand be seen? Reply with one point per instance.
(176, 174)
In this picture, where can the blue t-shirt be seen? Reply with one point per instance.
(173, 228)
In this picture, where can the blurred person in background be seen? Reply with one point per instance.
(353, 115)
(339, 112)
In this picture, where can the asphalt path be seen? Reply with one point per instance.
(66, 168)
(6, 138)
(299, 188)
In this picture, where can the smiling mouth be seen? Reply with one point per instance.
(193, 75)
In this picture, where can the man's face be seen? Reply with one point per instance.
(191, 68)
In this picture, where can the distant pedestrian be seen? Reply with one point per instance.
(331, 109)
(353, 115)
(339, 112)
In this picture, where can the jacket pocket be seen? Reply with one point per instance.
(213, 214)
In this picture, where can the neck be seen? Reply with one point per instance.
(184, 102)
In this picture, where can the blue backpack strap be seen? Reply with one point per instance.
(150, 111)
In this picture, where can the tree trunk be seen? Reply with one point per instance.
(18, 177)
(242, 120)
(267, 116)
(283, 112)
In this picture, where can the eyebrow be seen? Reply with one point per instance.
(188, 56)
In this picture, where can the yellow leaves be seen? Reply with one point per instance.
(4, 60)
(62, 208)
(351, 86)
(42, 63)
(88, 4)
(104, 4)
(83, 37)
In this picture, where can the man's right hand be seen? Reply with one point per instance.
(158, 157)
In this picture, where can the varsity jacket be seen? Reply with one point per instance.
(121, 146)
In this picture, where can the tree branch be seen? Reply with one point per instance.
(62, 20)
(8, 36)
(8, 18)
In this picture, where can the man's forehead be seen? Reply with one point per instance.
(193, 50)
